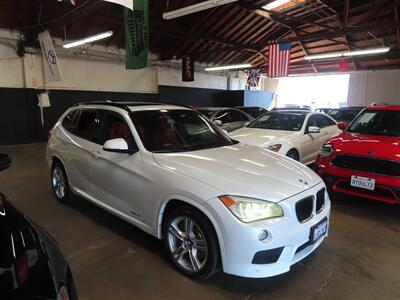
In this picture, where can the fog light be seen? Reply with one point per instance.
(262, 235)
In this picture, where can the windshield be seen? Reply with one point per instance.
(207, 112)
(288, 121)
(177, 131)
(346, 115)
(379, 122)
(254, 111)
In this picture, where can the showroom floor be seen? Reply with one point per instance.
(111, 259)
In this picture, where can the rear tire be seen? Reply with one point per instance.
(293, 154)
(60, 183)
(191, 243)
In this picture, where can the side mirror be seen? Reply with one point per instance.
(342, 125)
(117, 145)
(218, 122)
(5, 161)
(314, 129)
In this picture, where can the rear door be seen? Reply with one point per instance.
(118, 177)
(79, 141)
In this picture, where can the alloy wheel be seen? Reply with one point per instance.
(187, 244)
(58, 181)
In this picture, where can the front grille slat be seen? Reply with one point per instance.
(304, 209)
(320, 204)
(367, 164)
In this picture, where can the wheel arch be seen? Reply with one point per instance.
(296, 150)
(56, 158)
(175, 201)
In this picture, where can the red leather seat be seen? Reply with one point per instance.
(165, 134)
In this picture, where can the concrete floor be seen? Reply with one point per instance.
(111, 259)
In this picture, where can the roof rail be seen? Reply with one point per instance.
(108, 102)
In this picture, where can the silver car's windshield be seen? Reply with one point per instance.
(177, 131)
(288, 121)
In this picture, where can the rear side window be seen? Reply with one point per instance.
(224, 116)
(237, 116)
(69, 121)
(88, 126)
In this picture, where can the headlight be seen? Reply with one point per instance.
(249, 210)
(326, 150)
(275, 147)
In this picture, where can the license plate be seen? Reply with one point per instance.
(318, 230)
(363, 182)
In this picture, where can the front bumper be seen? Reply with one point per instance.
(287, 238)
(387, 188)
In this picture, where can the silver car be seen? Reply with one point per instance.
(228, 119)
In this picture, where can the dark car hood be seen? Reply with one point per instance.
(31, 265)
(386, 147)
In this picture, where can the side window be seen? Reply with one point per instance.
(224, 116)
(320, 121)
(327, 121)
(88, 125)
(114, 127)
(313, 121)
(237, 116)
(69, 121)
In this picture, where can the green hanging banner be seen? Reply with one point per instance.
(137, 34)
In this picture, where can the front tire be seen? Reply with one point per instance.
(191, 243)
(59, 183)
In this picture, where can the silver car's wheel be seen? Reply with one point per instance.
(58, 181)
(187, 244)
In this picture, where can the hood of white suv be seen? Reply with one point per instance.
(262, 137)
(243, 170)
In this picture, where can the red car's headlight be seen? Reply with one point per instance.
(326, 150)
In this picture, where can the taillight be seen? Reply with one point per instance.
(49, 135)
(21, 269)
(63, 294)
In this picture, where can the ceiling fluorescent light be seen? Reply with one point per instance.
(323, 56)
(195, 8)
(231, 67)
(275, 4)
(89, 39)
(348, 53)
(367, 51)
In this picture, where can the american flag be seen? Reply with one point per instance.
(279, 59)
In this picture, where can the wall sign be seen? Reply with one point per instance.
(187, 68)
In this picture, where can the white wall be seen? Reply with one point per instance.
(378, 86)
(174, 77)
(86, 74)
(92, 73)
(11, 68)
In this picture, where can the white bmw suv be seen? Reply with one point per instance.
(174, 174)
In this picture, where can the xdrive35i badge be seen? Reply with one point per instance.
(303, 182)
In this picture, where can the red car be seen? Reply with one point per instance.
(364, 160)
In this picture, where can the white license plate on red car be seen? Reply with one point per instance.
(363, 182)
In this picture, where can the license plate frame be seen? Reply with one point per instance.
(362, 182)
(318, 231)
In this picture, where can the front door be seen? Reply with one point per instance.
(117, 177)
